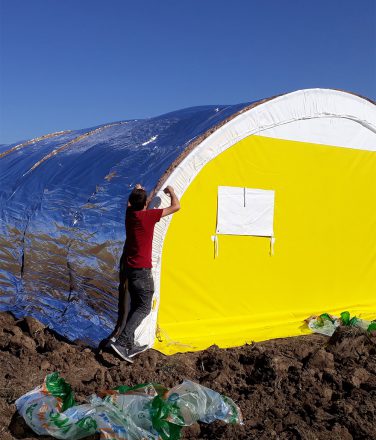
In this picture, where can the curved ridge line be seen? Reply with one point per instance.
(33, 141)
(68, 144)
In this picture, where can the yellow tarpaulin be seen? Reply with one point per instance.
(325, 249)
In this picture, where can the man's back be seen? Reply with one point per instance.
(139, 227)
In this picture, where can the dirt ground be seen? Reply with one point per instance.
(309, 387)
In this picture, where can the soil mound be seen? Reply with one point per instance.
(309, 387)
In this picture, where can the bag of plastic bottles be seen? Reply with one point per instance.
(146, 411)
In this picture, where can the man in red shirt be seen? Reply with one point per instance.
(139, 226)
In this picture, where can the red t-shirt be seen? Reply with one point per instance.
(139, 227)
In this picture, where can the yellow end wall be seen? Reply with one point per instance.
(325, 250)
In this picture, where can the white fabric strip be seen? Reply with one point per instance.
(336, 132)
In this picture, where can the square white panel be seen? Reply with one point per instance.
(245, 211)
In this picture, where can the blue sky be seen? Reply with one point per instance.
(69, 64)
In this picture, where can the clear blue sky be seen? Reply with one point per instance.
(69, 64)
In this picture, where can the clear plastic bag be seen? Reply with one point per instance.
(147, 411)
(326, 324)
(49, 410)
(198, 403)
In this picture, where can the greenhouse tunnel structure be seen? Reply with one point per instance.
(277, 220)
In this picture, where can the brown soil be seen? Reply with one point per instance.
(310, 387)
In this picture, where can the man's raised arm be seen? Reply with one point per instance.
(175, 204)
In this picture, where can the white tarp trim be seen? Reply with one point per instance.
(286, 109)
(336, 132)
(245, 211)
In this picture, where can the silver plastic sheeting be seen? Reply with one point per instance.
(63, 199)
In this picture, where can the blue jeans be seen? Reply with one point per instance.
(141, 290)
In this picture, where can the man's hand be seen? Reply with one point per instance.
(139, 186)
(168, 190)
(175, 205)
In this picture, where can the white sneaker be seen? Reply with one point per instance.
(121, 351)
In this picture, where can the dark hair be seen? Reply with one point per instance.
(137, 199)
